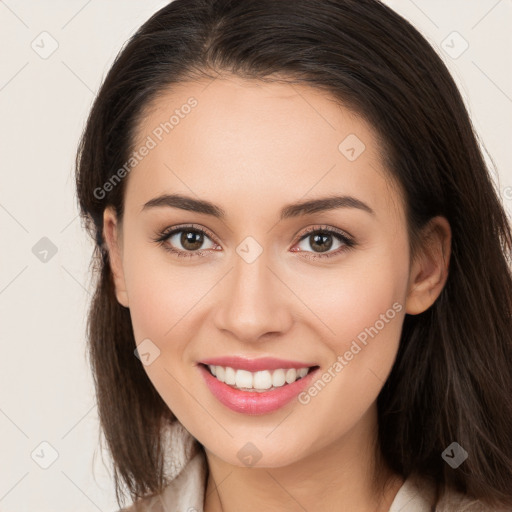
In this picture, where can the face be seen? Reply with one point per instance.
(249, 276)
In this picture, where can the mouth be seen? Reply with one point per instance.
(258, 381)
(261, 391)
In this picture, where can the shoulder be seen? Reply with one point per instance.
(420, 494)
(452, 501)
(148, 504)
(185, 473)
(185, 492)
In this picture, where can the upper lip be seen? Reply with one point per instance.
(254, 365)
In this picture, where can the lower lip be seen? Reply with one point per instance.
(253, 402)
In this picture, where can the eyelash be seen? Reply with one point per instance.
(164, 236)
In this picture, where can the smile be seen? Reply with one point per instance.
(259, 392)
(257, 381)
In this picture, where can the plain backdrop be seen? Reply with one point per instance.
(54, 55)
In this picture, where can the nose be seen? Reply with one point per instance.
(253, 303)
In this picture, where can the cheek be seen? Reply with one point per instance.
(365, 314)
(160, 291)
(362, 305)
(357, 294)
(166, 308)
(164, 301)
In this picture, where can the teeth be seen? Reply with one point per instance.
(257, 381)
(243, 379)
(230, 376)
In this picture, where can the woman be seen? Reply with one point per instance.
(304, 294)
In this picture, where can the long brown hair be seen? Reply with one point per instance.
(452, 379)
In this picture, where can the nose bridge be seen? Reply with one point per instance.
(252, 301)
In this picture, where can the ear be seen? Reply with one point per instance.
(112, 235)
(429, 269)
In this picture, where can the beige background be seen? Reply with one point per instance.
(46, 392)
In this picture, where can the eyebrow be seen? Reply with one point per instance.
(291, 210)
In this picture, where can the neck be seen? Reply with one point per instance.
(345, 475)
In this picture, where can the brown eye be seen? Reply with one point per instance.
(322, 240)
(186, 241)
(191, 240)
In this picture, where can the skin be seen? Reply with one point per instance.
(252, 148)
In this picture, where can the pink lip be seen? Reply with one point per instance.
(255, 365)
(254, 403)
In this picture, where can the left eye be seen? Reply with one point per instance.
(321, 241)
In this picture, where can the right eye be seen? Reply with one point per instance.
(190, 239)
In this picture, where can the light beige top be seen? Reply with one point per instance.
(187, 469)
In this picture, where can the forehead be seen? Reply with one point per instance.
(231, 138)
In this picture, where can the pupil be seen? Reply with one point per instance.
(322, 242)
(191, 240)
